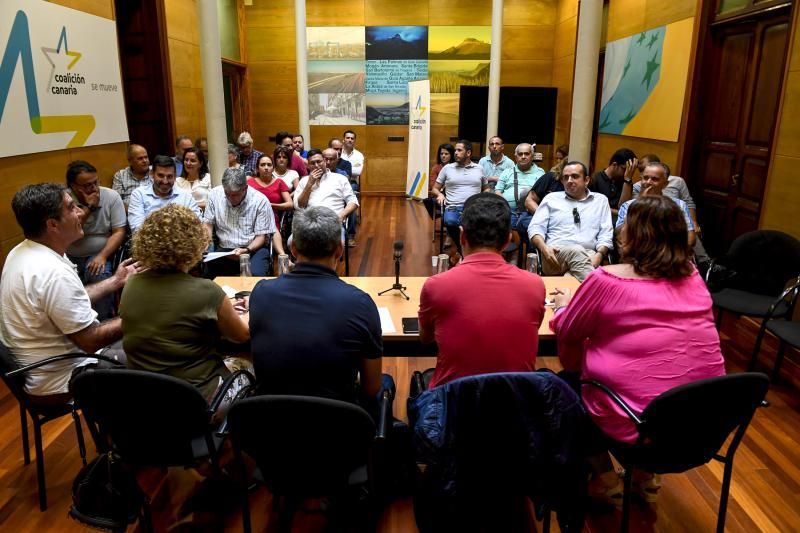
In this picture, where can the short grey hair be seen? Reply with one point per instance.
(520, 145)
(244, 139)
(316, 232)
(233, 149)
(234, 179)
(664, 168)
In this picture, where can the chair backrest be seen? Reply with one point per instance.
(686, 426)
(303, 446)
(149, 419)
(763, 261)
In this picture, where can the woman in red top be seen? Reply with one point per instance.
(276, 190)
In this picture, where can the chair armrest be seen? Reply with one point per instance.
(27, 368)
(793, 288)
(384, 415)
(615, 397)
(222, 393)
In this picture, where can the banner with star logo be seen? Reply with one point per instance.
(60, 83)
(644, 82)
(419, 138)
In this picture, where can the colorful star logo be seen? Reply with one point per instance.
(48, 51)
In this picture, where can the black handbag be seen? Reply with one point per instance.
(105, 495)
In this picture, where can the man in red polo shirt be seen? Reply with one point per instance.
(484, 314)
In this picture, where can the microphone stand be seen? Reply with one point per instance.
(397, 286)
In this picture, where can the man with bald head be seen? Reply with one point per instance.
(325, 188)
(136, 174)
(515, 183)
(496, 162)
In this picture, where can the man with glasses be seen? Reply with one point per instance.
(325, 188)
(572, 229)
(102, 215)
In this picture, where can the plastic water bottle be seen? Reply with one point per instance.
(244, 265)
(444, 263)
(283, 264)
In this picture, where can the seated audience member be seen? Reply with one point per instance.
(547, 183)
(103, 219)
(460, 180)
(654, 179)
(353, 156)
(677, 188)
(332, 161)
(572, 229)
(45, 310)
(444, 156)
(562, 152)
(267, 183)
(312, 333)
(195, 178)
(283, 138)
(496, 162)
(243, 221)
(182, 143)
(162, 192)
(136, 174)
(248, 156)
(298, 144)
(280, 159)
(640, 327)
(616, 181)
(494, 328)
(202, 144)
(514, 184)
(233, 157)
(325, 188)
(343, 167)
(172, 322)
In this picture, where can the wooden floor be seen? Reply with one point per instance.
(765, 494)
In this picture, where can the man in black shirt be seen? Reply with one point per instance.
(616, 181)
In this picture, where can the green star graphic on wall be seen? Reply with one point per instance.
(651, 68)
(627, 66)
(605, 123)
(653, 40)
(628, 117)
(641, 38)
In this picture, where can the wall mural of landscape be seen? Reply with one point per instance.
(359, 74)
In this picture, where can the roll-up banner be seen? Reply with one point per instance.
(419, 138)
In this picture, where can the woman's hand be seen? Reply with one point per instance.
(561, 297)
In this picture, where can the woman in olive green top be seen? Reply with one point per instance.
(172, 322)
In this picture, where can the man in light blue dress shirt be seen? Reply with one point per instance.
(162, 192)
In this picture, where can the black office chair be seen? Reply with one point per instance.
(14, 377)
(686, 426)
(750, 278)
(787, 331)
(308, 447)
(346, 248)
(486, 443)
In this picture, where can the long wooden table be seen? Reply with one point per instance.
(397, 343)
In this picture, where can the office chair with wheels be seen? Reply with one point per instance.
(686, 426)
(750, 278)
(787, 331)
(14, 377)
(308, 447)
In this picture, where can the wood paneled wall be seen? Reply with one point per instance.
(183, 44)
(782, 195)
(535, 34)
(628, 17)
(19, 171)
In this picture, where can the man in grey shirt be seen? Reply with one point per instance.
(103, 220)
(460, 180)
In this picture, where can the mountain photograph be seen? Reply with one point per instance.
(449, 76)
(459, 42)
(396, 42)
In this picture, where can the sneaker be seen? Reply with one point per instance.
(648, 488)
(611, 495)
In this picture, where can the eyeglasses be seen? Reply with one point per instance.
(576, 216)
(87, 186)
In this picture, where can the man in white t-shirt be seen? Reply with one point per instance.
(44, 308)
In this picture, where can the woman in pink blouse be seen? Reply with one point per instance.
(640, 327)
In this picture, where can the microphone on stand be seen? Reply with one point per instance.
(398, 255)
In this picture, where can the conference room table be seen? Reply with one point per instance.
(399, 344)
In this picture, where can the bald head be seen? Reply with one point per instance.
(524, 155)
(331, 157)
(138, 159)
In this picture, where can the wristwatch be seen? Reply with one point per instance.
(627, 180)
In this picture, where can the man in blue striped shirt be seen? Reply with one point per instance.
(161, 192)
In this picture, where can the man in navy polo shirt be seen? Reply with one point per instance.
(311, 333)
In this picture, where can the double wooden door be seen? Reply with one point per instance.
(741, 87)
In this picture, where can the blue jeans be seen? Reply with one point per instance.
(452, 223)
(105, 306)
(227, 267)
(520, 223)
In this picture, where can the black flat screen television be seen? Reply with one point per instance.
(526, 114)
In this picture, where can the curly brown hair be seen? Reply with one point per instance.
(283, 150)
(171, 238)
(654, 239)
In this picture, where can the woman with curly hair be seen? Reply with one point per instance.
(172, 323)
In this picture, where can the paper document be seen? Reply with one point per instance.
(210, 256)
(229, 291)
(387, 326)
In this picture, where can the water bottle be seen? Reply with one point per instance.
(434, 264)
(244, 265)
(532, 263)
(444, 263)
(283, 264)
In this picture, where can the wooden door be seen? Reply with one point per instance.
(740, 95)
